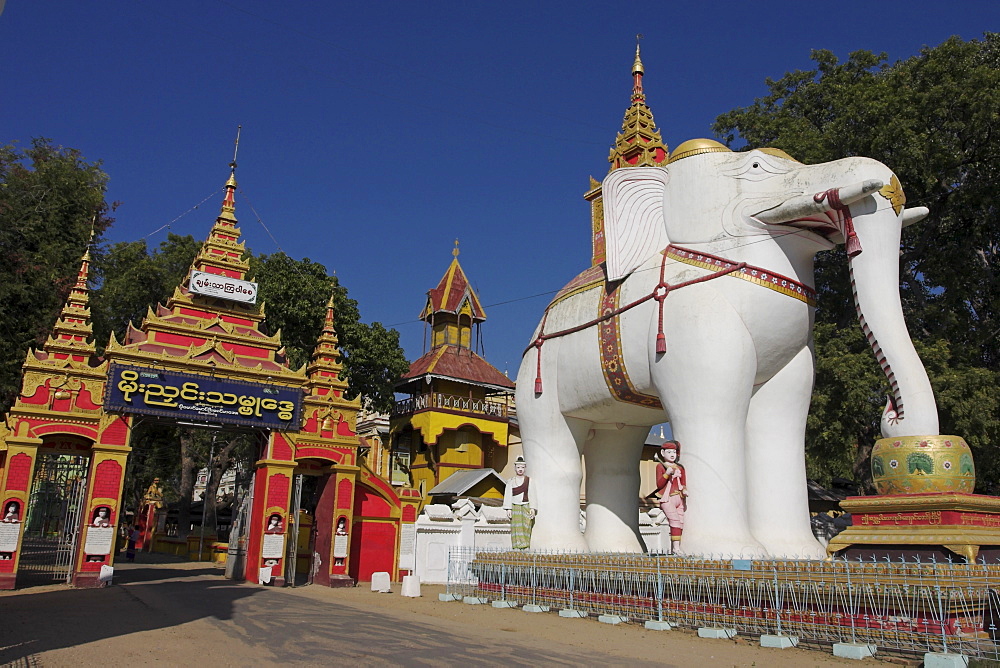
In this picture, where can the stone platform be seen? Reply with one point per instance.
(921, 525)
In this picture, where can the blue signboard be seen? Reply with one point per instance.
(147, 391)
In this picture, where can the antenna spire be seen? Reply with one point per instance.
(455, 251)
(236, 149)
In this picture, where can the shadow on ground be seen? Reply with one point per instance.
(36, 621)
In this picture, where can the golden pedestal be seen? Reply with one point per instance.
(960, 523)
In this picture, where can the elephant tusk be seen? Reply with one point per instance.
(804, 206)
(914, 214)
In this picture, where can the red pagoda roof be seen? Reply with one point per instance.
(451, 293)
(456, 363)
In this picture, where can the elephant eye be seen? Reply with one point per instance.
(756, 165)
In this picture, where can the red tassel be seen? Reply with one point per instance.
(661, 344)
(853, 245)
(538, 385)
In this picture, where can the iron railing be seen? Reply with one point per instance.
(900, 606)
(467, 405)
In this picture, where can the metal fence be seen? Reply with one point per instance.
(901, 606)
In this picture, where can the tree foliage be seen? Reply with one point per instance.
(50, 200)
(296, 293)
(934, 120)
(132, 280)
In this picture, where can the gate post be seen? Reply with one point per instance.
(335, 526)
(102, 507)
(269, 521)
(101, 513)
(16, 473)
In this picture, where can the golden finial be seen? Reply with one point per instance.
(455, 251)
(90, 241)
(637, 65)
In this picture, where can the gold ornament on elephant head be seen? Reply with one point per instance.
(893, 191)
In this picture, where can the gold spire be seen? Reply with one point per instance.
(72, 333)
(454, 252)
(639, 144)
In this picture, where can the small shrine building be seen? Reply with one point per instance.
(456, 417)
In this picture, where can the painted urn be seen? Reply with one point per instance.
(922, 465)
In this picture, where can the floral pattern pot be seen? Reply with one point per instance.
(923, 465)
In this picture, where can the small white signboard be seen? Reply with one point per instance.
(9, 533)
(99, 540)
(107, 573)
(214, 285)
(408, 547)
(274, 546)
(340, 547)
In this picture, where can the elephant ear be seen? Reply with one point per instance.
(633, 217)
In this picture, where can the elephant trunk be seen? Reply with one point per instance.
(911, 409)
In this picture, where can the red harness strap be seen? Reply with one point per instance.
(659, 293)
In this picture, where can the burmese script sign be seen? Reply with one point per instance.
(214, 285)
(202, 398)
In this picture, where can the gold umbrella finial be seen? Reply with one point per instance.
(455, 250)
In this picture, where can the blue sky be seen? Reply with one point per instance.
(376, 133)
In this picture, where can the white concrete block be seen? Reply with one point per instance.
(572, 614)
(535, 608)
(474, 600)
(853, 650)
(655, 625)
(449, 597)
(380, 582)
(945, 660)
(778, 642)
(713, 632)
(503, 604)
(612, 619)
(411, 586)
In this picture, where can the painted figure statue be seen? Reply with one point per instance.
(702, 315)
(518, 501)
(671, 486)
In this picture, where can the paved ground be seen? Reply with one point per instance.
(187, 614)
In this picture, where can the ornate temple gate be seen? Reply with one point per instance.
(202, 358)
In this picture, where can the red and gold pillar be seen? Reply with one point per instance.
(16, 474)
(102, 508)
(269, 520)
(334, 527)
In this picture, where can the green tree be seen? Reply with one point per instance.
(50, 200)
(934, 120)
(132, 280)
(296, 293)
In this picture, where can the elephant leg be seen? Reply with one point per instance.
(777, 500)
(612, 462)
(705, 381)
(552, 447)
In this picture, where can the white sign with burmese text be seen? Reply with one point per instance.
(214, 285)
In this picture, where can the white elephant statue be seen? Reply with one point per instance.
(702, 315)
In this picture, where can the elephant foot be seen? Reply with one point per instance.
(728, 547)
(804, 548)
(558, 542)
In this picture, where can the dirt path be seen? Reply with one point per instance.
(187, 614)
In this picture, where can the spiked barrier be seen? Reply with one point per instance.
(901, 606)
